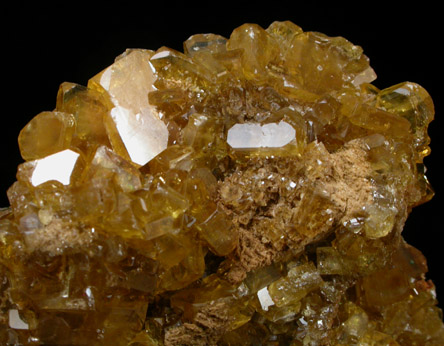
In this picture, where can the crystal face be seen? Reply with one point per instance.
(249, 191)
(260, 136)
(58, 167)
(138, 131)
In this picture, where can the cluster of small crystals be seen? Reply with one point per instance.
(249, 191)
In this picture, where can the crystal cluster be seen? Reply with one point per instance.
(249, 191)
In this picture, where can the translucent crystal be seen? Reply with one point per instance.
(299, 281)
(265, 298)
(260, 136)
(133, 125)
(251, 190)
(89, 108)
(47, 133)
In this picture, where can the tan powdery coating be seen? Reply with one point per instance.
(262, 195)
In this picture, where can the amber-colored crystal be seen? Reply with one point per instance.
(47, 133)
(249, 191)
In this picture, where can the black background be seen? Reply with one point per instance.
(43, 46)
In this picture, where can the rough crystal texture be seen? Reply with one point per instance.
(249, 191)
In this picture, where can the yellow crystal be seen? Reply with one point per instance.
(299, 281)
(249, 191)
(47, 133)
(89, 108)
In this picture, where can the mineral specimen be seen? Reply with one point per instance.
(249, 191)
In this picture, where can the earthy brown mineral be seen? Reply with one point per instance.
(249, 191)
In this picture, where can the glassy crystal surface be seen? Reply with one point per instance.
(249, 191)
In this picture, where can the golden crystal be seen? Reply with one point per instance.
(249, 191)
(47, 133)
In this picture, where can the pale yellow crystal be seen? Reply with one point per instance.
(258, 50)
(210, 43)
(380, 221)
(412, 102)
(126, 176)
(134, 127)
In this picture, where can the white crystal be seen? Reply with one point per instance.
(128, 81)
(15, 322)
(265, 298)
(366, 76)
(253, 135)
(143, 134)
(58, 166)
(160, 55)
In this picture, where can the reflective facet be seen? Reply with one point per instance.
(134, 127)
(251, 190)
(57, 167)
(270, 135)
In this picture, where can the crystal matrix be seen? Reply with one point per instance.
(249, 191)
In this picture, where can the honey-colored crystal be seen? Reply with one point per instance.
(249, 191)
(47, 133)
(89, 108)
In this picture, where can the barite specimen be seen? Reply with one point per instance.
(249, 191)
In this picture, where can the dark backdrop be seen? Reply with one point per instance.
(43, 46)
